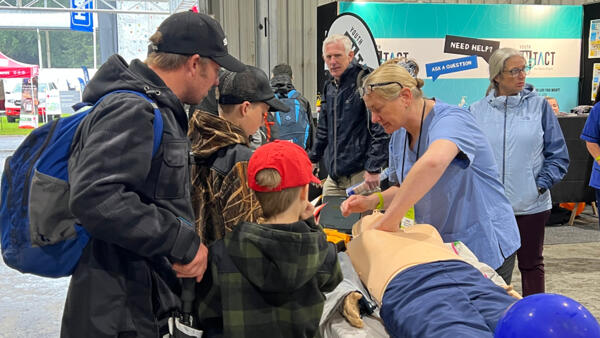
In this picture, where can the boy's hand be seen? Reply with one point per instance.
(308, 211)
(195, 268)
(315, 169)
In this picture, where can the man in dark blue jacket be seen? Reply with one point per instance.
(356, 149)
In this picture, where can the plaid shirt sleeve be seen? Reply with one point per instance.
(330, 274)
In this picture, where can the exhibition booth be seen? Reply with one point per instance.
(452, 43)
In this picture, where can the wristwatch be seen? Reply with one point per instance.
(541, 191)
(376, 171)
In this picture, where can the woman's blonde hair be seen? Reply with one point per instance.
(275, 202)
(497, 63)
(400, 70)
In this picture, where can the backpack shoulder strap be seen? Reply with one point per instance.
(158, 121)
(292, 94)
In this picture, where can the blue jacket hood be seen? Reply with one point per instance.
(512, 101)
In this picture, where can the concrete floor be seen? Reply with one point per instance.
(32, 306)
(572, 262)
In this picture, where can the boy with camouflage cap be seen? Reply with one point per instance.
(267, 279)
(220, 146)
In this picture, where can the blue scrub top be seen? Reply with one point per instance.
(591, 133)
(467, 203)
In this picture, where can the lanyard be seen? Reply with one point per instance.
(418, 142)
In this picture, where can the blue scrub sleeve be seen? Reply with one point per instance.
(457, 126)
(591, 130)
(393, 176)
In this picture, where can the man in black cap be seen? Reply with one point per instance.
(221, 151)
(133, 200)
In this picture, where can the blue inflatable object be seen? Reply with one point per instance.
(547, 315)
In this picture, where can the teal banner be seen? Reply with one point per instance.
(452, 44)
(401, 20)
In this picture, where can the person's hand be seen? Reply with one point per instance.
(356, 203)
(315, 169)
(308, 211)
(195, 268)
(372, 180)
(383, 225)
(351, 309)
(511, 292)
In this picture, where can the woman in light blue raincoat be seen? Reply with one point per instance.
(530, 151)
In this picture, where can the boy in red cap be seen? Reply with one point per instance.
(267, 279)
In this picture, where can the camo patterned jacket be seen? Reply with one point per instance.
(220, 194)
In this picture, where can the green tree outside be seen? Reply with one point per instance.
(68, 49)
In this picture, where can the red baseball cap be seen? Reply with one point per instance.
(290, 161)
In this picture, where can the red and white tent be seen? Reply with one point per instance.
(11, 69)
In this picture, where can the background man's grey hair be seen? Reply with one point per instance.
(497, 61)
(334, 38)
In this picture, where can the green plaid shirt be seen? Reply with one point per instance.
(267, 280)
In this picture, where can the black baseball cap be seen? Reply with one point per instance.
(252, 85)
(190, 33)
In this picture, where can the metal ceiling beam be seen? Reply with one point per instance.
(54, 6)
(111, 11)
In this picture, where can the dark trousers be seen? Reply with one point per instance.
(529, 255)
(506, 269)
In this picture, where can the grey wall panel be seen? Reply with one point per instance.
(309, 67)
(282, 30)
(296, 43)
(247, 31)
(292, 42)
(295, 25)
(238, 20)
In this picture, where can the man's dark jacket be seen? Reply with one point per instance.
(132, 204)
(267, 280)
(345, 134)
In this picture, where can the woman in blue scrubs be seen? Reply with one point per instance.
(591, 136)
(443, 166)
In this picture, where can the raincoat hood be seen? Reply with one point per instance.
(511, 101)
(282, 84)
(115, 74)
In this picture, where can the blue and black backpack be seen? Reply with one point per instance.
(39, 233)
(292, 126)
